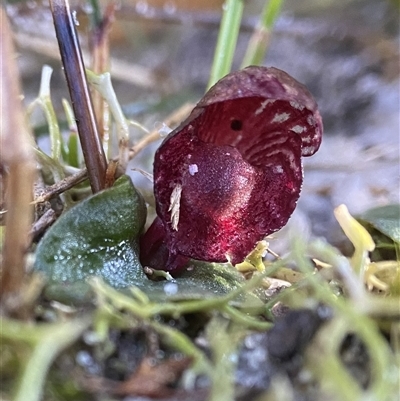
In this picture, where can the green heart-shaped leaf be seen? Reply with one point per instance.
(201, 280)
(97, 237)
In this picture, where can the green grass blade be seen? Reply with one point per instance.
(227, 38)
(259, 41)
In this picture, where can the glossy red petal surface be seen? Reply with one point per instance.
(232, 173)
(271, 85)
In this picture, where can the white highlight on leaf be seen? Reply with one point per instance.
(278, 169)
(280, 117)
(298, 129)
(263, 105)
(296, 105)
(175, 204)
(193, 169)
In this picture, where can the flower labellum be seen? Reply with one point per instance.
(232, 172)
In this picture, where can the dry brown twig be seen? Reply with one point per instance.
(172, 120)
(62, 186)
(17, 156)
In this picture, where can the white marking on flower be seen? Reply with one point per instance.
(193, 169)
(174, 207)
(237, 140)
(273, 143)
(289, 156)
(296, 105)
(278, 169)
(280, 117)
(290, 90)
(307, 149)
(263, 105)
(298, 129)
(311, 120)
(228, 257)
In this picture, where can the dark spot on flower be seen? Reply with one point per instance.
(236, 125)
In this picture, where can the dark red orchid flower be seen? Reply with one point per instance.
(232, 172)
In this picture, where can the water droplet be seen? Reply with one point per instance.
(233, 358)
(87, 7)
(74, 17)
(90, 338)
(169, 7)
(83, 358)
(162, 129)
(250, 342)
(31, 5)
(193, 169)
(171, 288)
(142, 7)
(159, 354)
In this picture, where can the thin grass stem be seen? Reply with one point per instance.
(227, 38)
(260, 39)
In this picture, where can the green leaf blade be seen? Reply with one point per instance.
(385, 219)
(98, 237)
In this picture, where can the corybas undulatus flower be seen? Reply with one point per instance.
(232, 172)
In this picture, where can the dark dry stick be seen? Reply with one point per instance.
(62, 186)
(43, 223)
(74, 68)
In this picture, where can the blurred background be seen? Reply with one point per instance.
(346, 52)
